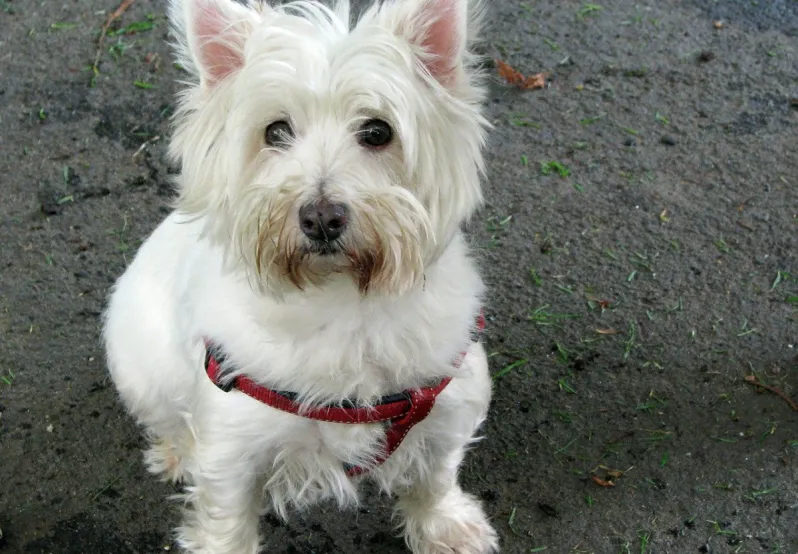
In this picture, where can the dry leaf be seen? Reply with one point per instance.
(515, 77)
(535, 81)
(601, 482)
(616, 473)
(509, 74)
(607, 331)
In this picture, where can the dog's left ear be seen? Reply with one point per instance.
(439, 31)
(212, 34)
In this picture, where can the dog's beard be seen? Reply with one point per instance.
(383, 249)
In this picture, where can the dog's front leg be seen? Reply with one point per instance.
(222, 505)
(439, 518)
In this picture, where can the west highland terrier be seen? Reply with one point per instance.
(306, 318)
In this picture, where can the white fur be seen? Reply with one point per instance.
(391, 311)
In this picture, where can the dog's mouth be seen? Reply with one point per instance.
(323, 248)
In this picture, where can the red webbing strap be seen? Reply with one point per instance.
(480, 323)
(421, 403)
(331, 414)
(403, 414)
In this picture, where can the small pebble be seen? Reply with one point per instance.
(706, 56)
(668, 140)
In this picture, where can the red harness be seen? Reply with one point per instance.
(402, 410)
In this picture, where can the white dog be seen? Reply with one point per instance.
(305, 319)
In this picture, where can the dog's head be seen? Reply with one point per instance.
(314, 147)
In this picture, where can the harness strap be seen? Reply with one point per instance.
(403, 410)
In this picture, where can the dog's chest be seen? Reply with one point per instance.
(328, 351)
(311, 461)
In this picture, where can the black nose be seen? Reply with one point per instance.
(323, 220)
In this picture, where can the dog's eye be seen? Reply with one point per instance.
(279, 134)
(375, 133)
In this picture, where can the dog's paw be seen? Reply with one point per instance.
(163, 458)
(196, 540)
(456, 525)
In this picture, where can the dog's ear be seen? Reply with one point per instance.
(211, 35)
(439, 30)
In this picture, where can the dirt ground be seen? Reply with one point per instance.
(640, 242)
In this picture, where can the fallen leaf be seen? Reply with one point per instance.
(607, 331)
(663, 216)
(515, 77)
(535, 81)
(616, 473)
(601, 482)
(507, 72)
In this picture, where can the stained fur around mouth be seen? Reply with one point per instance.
(329, 248)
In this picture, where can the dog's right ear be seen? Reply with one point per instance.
(211, 36)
